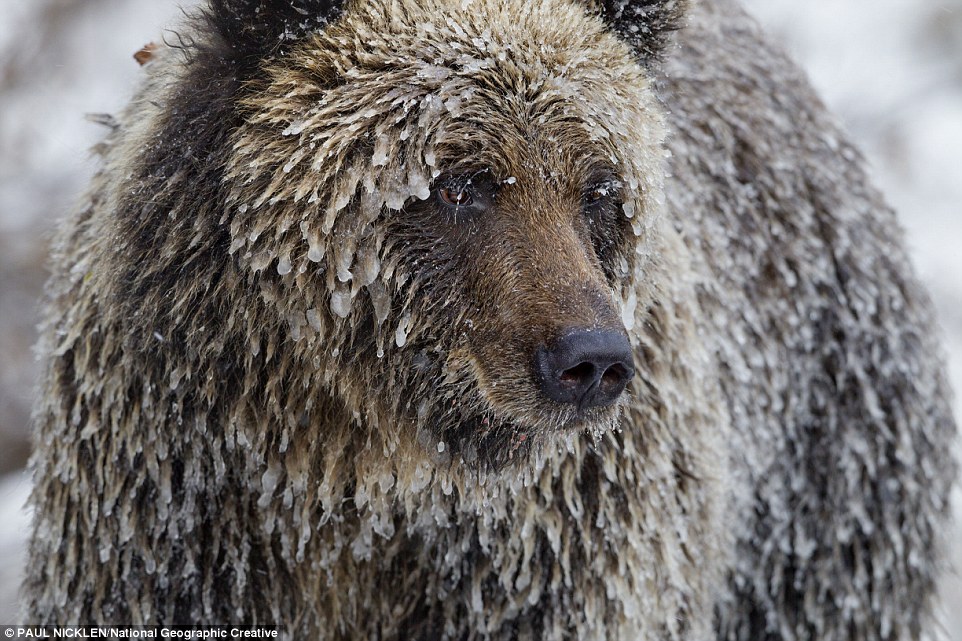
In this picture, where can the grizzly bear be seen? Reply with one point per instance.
(486, 319)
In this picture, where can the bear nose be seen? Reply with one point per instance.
(587, 368)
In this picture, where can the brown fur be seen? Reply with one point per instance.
(284, 387)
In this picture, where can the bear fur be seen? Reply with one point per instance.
(284, 385)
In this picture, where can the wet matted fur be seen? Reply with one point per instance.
(284, 385)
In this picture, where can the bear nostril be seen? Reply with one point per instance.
(577, 375)
(616, 375)
(587, 368)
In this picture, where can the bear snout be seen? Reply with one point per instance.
(585, 367)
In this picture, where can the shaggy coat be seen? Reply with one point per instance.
(292, 336)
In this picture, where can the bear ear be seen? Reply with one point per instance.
(645, 24)
(255, 27)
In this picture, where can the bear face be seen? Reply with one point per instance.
(450, 205)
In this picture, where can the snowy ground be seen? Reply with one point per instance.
(14, 522)
(891, 70)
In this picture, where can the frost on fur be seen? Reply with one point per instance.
(283, 387)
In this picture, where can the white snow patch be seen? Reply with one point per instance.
(14, 530)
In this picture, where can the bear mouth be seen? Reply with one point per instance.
(491, 444)
(492, 431)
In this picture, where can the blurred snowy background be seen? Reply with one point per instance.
(890, 69)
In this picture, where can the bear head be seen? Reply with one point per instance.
(451, 206)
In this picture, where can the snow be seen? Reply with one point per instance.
(401, 336)
(14, 525)
(83, 53)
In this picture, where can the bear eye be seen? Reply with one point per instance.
(600, 194)
(595, 196)
(455, 196)
(464, 195)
